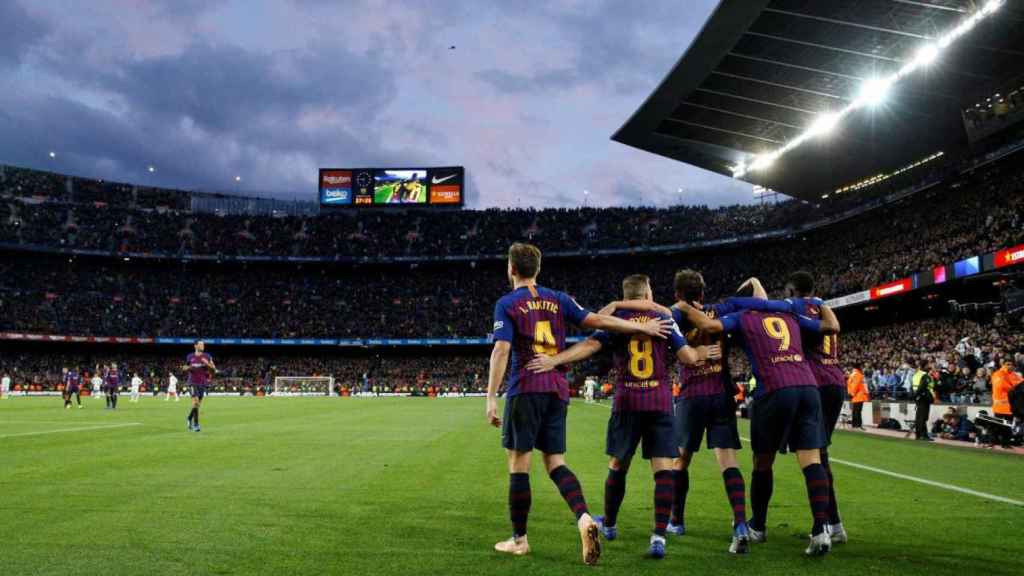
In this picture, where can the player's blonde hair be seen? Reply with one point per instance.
(635, 287)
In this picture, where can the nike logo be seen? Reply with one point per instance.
(437, 180)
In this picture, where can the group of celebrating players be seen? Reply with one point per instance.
(798, 395)
(198, 364)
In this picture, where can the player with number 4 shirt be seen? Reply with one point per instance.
(533, 321)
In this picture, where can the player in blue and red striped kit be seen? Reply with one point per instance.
(200, 368)
(72, 385)
(528, 322)
(112, 385)
(706, 406)
(642, 409)
(823, 356)
(787, 406)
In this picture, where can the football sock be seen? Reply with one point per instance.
(108, 400)
(192, 415)
(736, 490)
(833, 506)
(664, 491)
(113, 401)
(761, 485)
(614, 491)
(570, 489)
(196, 417)
(519, 500)
(681, 480)
(817, 495)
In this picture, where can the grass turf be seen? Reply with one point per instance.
(418, 486)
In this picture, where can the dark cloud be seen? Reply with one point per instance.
(20, 31)
(205, 90)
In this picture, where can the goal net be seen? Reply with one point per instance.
(303, 385)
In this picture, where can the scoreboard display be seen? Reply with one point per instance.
(396, 187)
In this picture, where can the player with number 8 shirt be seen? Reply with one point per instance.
(528, 322)
(642, 410)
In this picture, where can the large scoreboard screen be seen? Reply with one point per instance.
(408, 187)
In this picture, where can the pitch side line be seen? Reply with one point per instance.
(82, 429)
(924, 481)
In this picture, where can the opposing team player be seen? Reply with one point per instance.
(531, 321)
(823, 356)
(5, 386)
(172, 387)
(787, 407)
(200, 369)
(72, 385)
(642, 410)
(136, 385)
(112, 383)
(97, 383)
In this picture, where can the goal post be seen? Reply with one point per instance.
(303, 386)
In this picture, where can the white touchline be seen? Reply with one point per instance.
(83, 429)
(925, 481)
(942, 485)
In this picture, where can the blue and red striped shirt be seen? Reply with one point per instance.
(822, 349)
(773, 345)
(198, 371)
(535, 320)
(712, 377)
(642, 363)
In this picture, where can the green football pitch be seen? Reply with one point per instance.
(418, 486)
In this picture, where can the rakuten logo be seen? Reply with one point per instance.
(336, 178)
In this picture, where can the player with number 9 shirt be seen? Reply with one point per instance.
(787, 407)
(530, 321)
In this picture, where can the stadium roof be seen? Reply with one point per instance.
(762, 71)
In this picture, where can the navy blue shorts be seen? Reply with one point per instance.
(832, 398)
(715, 415)
(654, 431)
(198, 391)
(534, 420)
(788, 419)
(73, 390)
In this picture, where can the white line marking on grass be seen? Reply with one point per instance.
(82, 429)
(930, 482)
(925, 481)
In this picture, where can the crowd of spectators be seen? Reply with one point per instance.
(244, 371)
(55, 294)
(964, 353)
(47, 209)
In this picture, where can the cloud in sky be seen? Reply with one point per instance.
(205, 90)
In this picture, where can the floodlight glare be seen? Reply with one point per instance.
(823, 124)
(927, 54)
(875, 90)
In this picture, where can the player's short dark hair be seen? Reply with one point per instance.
(525, 259)
(802, 282)
(634, 287)
(689, 285)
